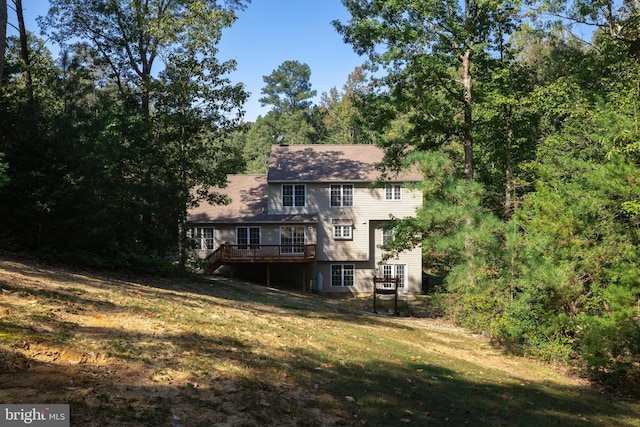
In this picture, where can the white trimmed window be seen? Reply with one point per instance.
(341, 195)
(342, 275)
(343, 231)
(395, 270)
(292, 239)
(202, 237)
(248, 237)
(294, 195)
(393, 192)
(387, 235)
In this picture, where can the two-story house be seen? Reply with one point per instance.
(314, 218)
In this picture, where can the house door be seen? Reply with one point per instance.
(292, 239)
(395, 270)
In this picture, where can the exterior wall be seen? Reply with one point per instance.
(369, 211)
(369, 204)
(269, 234)
(363, 279)
(412, 259)
(365, 270)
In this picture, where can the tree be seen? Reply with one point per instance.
(43, 153)
(3, 35)
(288, 88)
(342, 116)
(184, 108)
(4, 179)
(578, 292)
(192, 134)
(24, 43)
(130, 35)
(265, 131)
(618, 20)
(430, 50)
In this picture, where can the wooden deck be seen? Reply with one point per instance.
(264, 254)
(261, 254)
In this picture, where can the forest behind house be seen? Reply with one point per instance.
(528, 138)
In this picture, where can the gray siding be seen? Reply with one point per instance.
(369, 204)
(369, 211)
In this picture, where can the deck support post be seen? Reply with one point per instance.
(304, 278)
(268, 275)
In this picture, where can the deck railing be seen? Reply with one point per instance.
(238, 254)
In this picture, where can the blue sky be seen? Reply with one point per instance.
(268, 33)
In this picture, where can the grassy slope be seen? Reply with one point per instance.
(203, 353)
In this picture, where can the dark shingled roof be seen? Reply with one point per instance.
(297, 163)
(248, 194)
(328, 162)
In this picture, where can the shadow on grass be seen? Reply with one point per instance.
(244, 382)
(386, 394)
(381, 393)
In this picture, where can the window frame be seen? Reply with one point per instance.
(393, 273)
(249, 237)
(344, 268)
(200, 238)
(387, 235)
(393, 192)
(341, 195)
(297, 197)
(341, 235)
(296, 246)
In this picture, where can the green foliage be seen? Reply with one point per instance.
(571, 262)
(450, 217)
(556, 132)
(4, 179)
(434, 54)
(342, 118)
(98, 179)
(294, 129)
(288, 88)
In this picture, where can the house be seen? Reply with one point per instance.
(314, 218)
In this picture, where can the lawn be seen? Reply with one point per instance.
(158, 352)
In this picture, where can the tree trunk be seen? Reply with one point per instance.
(468, 153)
(24, 44)
(3, 35)
(468, 118)
(467, 142)
(509, 193)
(465, 58)
(146, 81)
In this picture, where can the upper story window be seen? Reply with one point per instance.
(393, 192)
(342, 231)
(202, 237)
(341, 195)
(293, 195)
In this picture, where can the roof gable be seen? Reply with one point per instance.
(248, 195)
